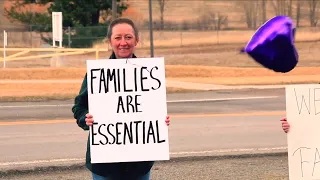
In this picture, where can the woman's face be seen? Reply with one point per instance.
(123, 40)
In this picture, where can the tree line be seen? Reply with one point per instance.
(83, 16)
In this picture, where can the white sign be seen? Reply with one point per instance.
(303, 115)
(127, 99)
(57, 34)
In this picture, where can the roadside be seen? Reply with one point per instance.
(44, 90)
(250, 167)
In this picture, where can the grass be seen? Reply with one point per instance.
(222, 55)
(262, 80)
(50, 91)
(218, 64)
(199, 74)
(172, 71)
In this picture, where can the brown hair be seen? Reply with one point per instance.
(122, 21)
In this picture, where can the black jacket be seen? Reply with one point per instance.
(129, 169)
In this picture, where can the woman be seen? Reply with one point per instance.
(285, 125)
(123, 37)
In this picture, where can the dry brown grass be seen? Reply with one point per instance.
(182, 71)
(222, 55)
(242, 76)
(170, 38)
(42, 73)
(49, 91)
(172, 71)
(37, 89)
(258, 80)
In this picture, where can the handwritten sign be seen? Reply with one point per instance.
(303, 115)
(127, 98)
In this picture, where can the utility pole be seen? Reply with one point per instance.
(114, 9)
(151, 29)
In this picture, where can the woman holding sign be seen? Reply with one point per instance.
(123, 37)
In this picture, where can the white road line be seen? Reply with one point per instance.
(229, 151)
(39, 105)
(173, 153)
(169, 101)
(223, 99)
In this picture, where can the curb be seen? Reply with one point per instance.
(81, 166)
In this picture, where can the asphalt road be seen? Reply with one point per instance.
(207, 168)
(217, 122)
(220, 101)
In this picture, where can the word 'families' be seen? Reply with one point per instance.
(116, 79)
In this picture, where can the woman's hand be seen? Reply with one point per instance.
(285, 125)
(89, 119)
(168, 120)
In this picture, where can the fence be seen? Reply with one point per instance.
(90, 37)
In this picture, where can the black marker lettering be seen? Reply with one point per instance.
(99, 130)
(155, 78)
(109, 132)
(129, 103)
(111, 76)
(120, 103)
(135, 80)
(137, 104)
(118, 132)
(158, 135)
(93, 134)
(137, 130)
(124, 82)
(142, 78)
(118, 82)
(122, 133)
(93, 77)
(127, 132)
(151, 133)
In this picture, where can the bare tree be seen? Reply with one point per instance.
(289, 8)
(1, 12)
(313, 6)
(161, 6)
(264, 10)
(282, 7)
(251, 12)
(298, 14)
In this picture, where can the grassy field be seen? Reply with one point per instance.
(204, 63)
(191, 56)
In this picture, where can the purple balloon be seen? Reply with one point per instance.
(272, 45)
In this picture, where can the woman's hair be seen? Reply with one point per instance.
(122, 21)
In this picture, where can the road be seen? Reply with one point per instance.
(273, 167)
(219, 101)
(215, 122)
